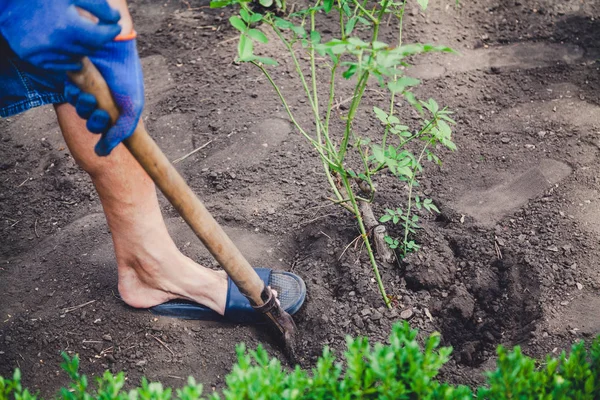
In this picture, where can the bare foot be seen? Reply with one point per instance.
(151, 269)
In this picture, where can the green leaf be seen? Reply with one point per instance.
(348, 73)
(266, 60)
(346, 9)
(364, 21)
(350, 25)
(337, 46)
(266, 3)
(283, 23)
(358, 43)
(245, 15)
(423, 4)
(431, 105)
(327, 5)
(393, 120)
(254, 18)
(238, 23)
(433, 207)
(298, 30)
(378, 153)
(388, 239)
(410, 98)
(445, 129)
(315, 37)
(400, 84)
(381, 115)
(395, 219)
(404, 171)
(385, 218)
(245, 48)
(446, 118)
(257, 35)
(219, 4)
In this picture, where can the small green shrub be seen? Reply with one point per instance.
(355, 156)
(401, 369)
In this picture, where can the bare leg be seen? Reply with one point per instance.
(150, 267)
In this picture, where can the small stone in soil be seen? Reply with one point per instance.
(406, 314)
(505, 140)
(376, 315)
(107, 337)
(358, 322)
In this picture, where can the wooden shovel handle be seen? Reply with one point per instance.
(175, 189)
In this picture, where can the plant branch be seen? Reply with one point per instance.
(410, 188)
(317, 145)
(365, 237)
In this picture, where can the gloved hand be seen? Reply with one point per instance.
(52, 34)
(119, 64)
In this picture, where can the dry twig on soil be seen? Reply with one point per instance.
(70, 309)
(192, 152)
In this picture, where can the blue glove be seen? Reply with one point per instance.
(52, 34)
(119, 64)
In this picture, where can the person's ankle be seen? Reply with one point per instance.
(149, 280)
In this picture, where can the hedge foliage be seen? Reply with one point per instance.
(401, 369)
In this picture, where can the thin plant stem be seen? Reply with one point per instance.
(313, 70)
(366, 240)
(298, 68)
(410, 189)
(393, 97)
(360, 6)
(290, 114)
(357, 97)
(330, 101)
(362, 84)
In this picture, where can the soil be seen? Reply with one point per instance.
(512, 258)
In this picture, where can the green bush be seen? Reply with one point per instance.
(401, 369)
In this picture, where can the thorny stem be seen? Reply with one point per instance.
(365, 237)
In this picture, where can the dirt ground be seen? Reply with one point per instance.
(512, 259)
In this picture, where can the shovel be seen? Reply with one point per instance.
(189, 206)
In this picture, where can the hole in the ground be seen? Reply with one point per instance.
(500, 304)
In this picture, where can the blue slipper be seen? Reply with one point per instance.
(291, 292)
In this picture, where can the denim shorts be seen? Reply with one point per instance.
(23, 86)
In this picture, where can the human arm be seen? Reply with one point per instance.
(119, 64)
